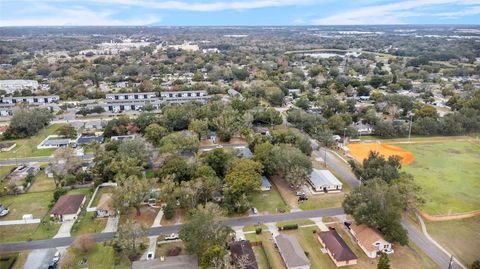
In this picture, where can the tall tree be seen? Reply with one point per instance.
(128, 238)
(383, 262)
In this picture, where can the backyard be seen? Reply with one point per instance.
(448, 174)
(27, 147)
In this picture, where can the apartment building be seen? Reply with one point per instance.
(130, 96)
(180, 97)
(32, 100)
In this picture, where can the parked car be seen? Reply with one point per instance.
(300, 193)
(173, 236)
(53, 265)
(56, 257)
(3, 210)
(302, 198)
(254, 210)
(150, 255)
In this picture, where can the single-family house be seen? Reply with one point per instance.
(244, 152)
(370, 240)
(337, 249)
(7, 146)
(261, 130)
(54, 141)
(87, 139)
(324, 180)
(266, 185)
(68, 207)
(170, 262)
(22, 171)
(291, 252)
(242, 250)
(104, 207)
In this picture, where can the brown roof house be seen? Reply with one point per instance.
(104, 206)
(68, 206)
(336, 248)
(242, 254)
(291, 252)
(370, 240)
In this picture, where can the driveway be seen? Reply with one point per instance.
(239, 234)
(112, 224)
(152, 246)
(39, 259)
(64, 230)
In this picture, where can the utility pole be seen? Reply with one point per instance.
(450, 264)
(410, 128)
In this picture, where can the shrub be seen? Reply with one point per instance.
(289, 227)
(84, 243)
(258, 230)
(168, 212)
(175, 251)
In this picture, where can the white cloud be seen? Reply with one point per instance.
(466, 12)
(78, 16)
(394, 13)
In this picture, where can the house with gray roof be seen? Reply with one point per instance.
(325, 181)
(292, 253)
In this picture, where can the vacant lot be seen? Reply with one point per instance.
(42, 183)
(461, 237)
(448, 174)
(269, 201)
(28, 147)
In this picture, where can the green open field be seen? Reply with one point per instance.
(448, 174)
(460, 237)
(269, 201)
(27, 147)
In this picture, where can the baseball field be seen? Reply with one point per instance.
(447, 170)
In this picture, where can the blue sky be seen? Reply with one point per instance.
(237, 12)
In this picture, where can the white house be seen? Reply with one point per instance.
(370, 240)
(324, 180)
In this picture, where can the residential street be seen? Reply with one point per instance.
(44, 159)
(66, 241)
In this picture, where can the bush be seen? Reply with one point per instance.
(476, 264)
(175, 251)
(168, 212)
(84, 243)
(258, 230)
(288, 227)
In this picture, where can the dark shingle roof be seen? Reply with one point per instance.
(244, 248)
(68, 204)
(335, 244)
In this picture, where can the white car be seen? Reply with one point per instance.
(56, 257)
(173, 236)
(4, 212)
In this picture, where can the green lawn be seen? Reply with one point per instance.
(26, 232)
(27, 147)
(35, 203)
(100, 257)
(162, 249)
(87, 223)
(299, 222)
(42, 183)
(269, 201)
(461, 237)
(319, 201)
(271, 253)
(261, 257)
(448, 174)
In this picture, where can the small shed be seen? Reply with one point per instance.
(266, 186)
(324, 180)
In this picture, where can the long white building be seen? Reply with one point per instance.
(32, 100)
(12, 85)
(180, 97)
(131, 96)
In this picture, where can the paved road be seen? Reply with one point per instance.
(416, 236)
(66, 241)
(45, 159)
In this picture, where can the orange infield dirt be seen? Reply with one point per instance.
(361, 151)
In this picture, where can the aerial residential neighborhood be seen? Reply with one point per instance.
(129, 140)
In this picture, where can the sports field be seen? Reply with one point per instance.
(449, 173)
(361, 151)
(446, 169)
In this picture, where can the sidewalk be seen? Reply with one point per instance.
(19, 222)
